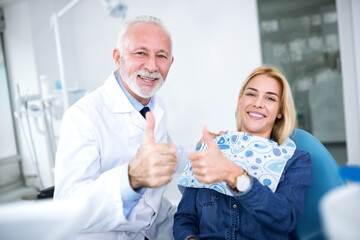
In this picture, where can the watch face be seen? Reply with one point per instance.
(243, 183)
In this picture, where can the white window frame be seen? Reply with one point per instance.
(349, 37)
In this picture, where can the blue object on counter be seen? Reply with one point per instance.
(58, 85)
(351, 173)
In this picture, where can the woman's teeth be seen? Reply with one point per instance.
(256, 115)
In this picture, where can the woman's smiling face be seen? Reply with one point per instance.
(259, 106)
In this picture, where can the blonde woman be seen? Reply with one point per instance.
(248, 184)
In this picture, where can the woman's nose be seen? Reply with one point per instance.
(258, 103)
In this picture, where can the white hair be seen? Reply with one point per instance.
(139, 19)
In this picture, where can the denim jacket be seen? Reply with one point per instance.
(257, 213)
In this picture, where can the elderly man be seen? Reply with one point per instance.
(114, 149)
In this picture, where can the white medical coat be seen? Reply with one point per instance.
(99, 135)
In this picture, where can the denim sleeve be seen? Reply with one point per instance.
(186, 222)
(280, 211)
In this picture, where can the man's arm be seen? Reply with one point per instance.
(77, 173)
(78, 165)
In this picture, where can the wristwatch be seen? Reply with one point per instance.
(242, 183)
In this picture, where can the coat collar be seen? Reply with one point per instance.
(116, 99)
(118, 103)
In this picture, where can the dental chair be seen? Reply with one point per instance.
(325, 176)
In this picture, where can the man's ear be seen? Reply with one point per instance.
(116, 57)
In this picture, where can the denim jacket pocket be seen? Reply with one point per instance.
(207, 198)
(213, 217)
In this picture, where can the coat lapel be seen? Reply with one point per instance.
(118, 103)
(116, 99)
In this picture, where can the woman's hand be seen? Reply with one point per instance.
(211, 165)
(213, 136)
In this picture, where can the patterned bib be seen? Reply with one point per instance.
(261, 158)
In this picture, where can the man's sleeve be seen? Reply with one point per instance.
(77, 175)
(129, 196)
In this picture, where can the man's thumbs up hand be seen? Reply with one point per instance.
(155, 163)
(149, 129)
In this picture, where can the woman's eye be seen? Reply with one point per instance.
(250, 94)
(271, 99)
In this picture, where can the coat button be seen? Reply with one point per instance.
(234, 206)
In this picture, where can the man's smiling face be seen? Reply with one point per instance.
(145, 60)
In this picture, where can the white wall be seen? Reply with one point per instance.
(19, 48)
(216, 44)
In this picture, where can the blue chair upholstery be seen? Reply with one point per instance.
(325, 176)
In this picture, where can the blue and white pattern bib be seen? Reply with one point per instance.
(261, 158)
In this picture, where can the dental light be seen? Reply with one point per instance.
(115, 8)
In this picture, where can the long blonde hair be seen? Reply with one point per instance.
(284, 126)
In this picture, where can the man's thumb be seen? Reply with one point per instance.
(149, 129)
(207, 138)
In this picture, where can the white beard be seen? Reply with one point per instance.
(141, 91)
